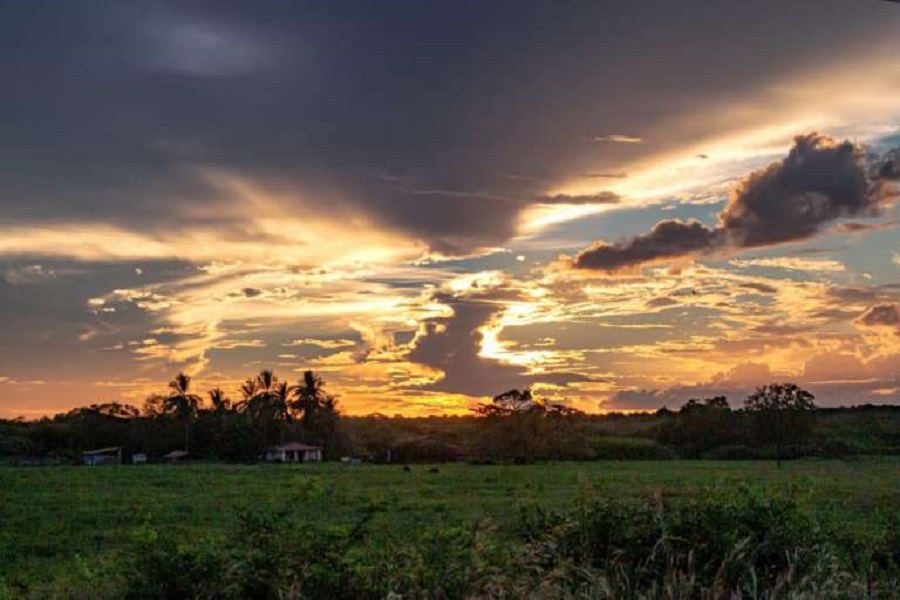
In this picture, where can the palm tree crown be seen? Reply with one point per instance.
(180, 401)
(309, 394)
(219, 400)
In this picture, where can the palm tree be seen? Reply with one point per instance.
(309, 396)
(281, 401)
(268, 404)
(281, 406)
(220, 402)
(266, 381)
(248, 391)
(182, 403)
(318, 411)
(259, 393)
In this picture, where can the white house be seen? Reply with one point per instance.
(294, 452)
(103, 456)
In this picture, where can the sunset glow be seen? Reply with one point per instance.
(610, 212)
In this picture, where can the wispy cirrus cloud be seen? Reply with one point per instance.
(618, 138)
(321, 343)
(794, 263)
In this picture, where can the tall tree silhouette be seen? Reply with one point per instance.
(317, 410)
(700, 425)
(248, 388)
(268, 405)
(182, 403)
(514, 426)
(220, 402)
(781, 413)
(282, 399)
(267, 399)
(510, 402)
(309, 397)
(266, 381)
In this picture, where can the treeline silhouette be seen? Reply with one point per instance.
(269, 412)
(778, 421)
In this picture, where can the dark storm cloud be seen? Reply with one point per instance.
(818, 182)
(110, 119)
(881, 315)
(889, 168)
(452, 344)
(667, 240)
(760, 288)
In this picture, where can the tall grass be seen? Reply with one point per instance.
(743, 545)
(565, 530)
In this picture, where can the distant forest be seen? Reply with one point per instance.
(778, 421)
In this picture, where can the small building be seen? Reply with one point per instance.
(176, 456)
(138, 459)
(293, 452)
(103, 456)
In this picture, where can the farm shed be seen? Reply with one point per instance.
(294, 452)
(103, 456)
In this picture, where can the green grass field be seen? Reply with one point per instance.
(62, 525)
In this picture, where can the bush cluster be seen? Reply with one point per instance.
(746, 545)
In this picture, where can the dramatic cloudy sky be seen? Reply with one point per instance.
(623, 204)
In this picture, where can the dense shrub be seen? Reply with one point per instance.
(424, 449)
(273, 554)
(743, 545)
(748, 546)
(630, 448)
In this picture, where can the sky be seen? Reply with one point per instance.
(620, 205)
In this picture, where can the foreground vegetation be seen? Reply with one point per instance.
(511, 521)
(778, 421)
(596, 529)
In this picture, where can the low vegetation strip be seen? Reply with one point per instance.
(278, 422)
(592, 529)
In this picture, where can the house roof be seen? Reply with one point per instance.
(109, 450)
(292, 446)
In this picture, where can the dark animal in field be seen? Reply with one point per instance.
(406, 468)
(433, 470)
